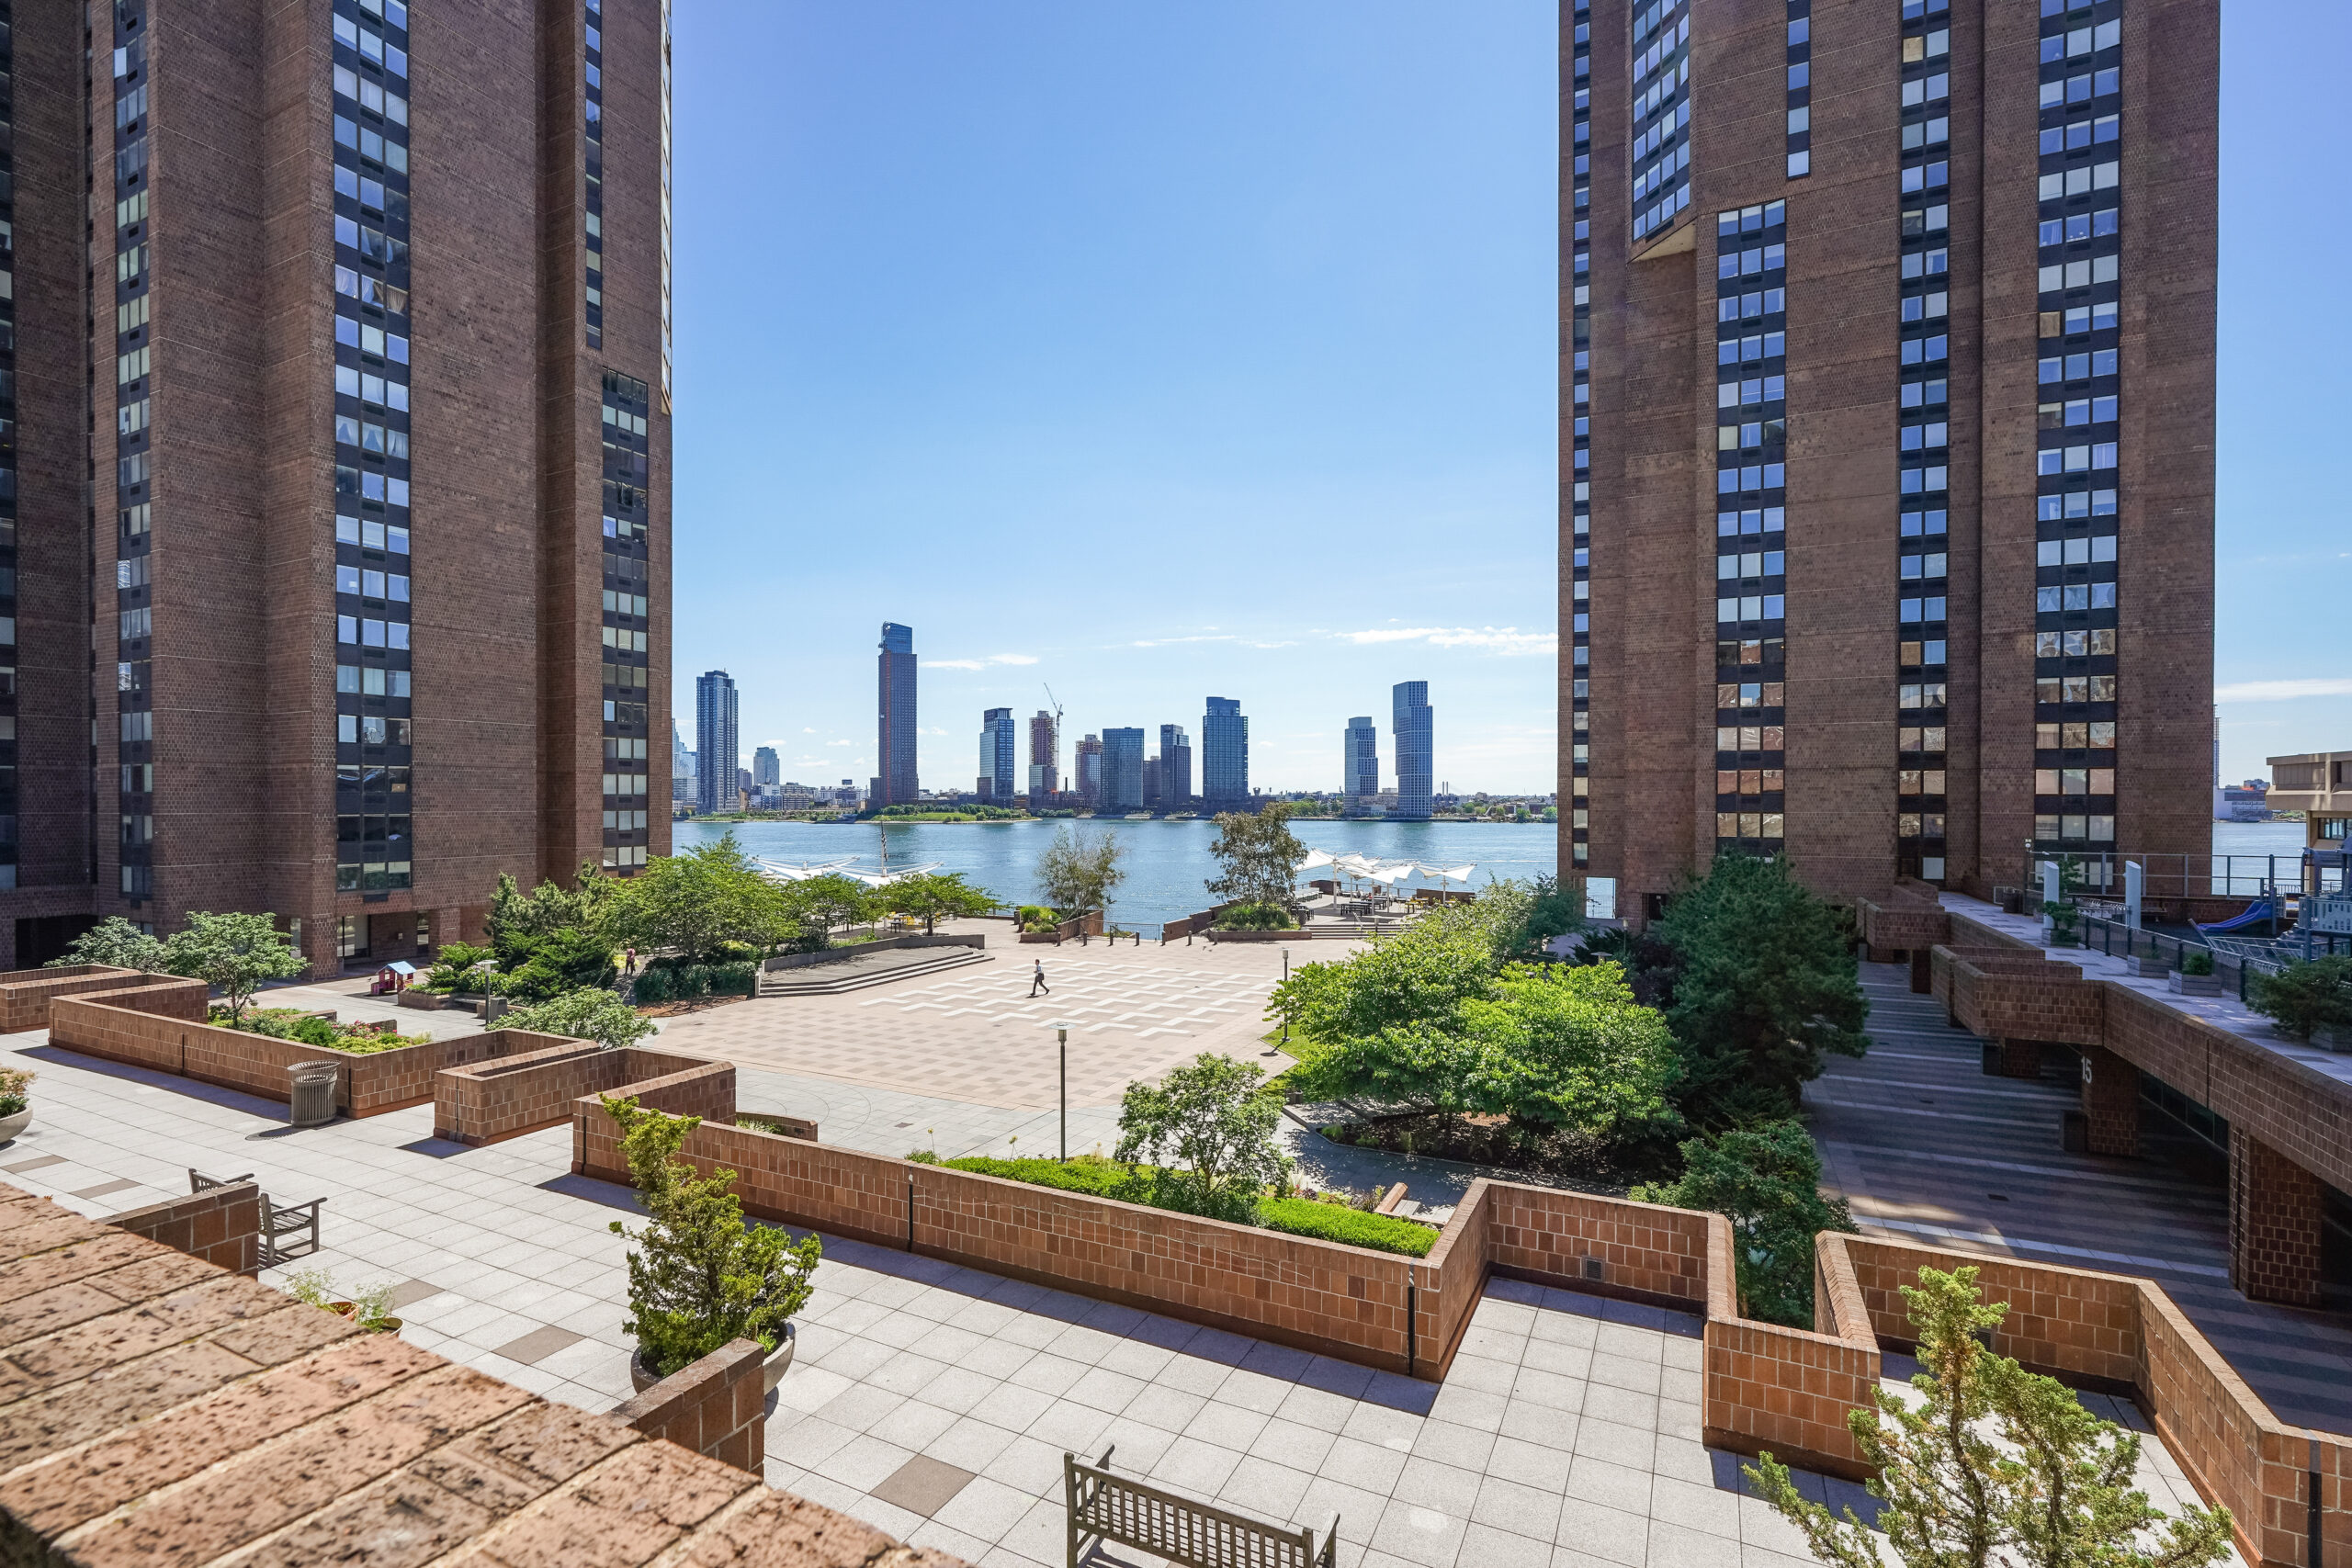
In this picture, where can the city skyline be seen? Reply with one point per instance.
(1285, 263)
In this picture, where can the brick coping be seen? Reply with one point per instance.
(152, 1403)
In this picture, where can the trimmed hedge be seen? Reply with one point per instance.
(1351, 1227)
(1137, 1184)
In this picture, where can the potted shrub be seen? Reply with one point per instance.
(702, 1278)
(15, 1103)
(371, 1309)
(2194, 978)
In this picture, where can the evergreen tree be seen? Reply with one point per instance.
(1767, 1181)
(2059, 1497)
(1765, 988)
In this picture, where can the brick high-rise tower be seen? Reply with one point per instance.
(1887, 436)
(366, 600)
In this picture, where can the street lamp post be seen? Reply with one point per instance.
(1061, 1036)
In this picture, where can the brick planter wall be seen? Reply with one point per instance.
(713, 1407)
(1781, 1391)
(256, 1064)
(1647, 1252)
(1901, 923)
(482, 1102)
(841, 1192)
(222, 1226)
(2011, 995)
(25, 994)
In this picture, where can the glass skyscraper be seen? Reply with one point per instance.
(715, 741)
(894, 740)
(1122, 770)
(1415, 743)
(1224, 753)
(999, 752)
(1360, 762)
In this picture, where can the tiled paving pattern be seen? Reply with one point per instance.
(936, 1402)
(1928, 1148)
(975, 1035)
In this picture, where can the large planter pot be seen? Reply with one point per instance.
(641, 1375)
(2194, 984)
(12, 1125)
(2332, 1037)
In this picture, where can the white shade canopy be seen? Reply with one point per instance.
(784, 871)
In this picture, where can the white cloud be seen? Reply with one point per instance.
(1500, 639)
(1273, 645)
(2283, 691)
(1171, 641)
(810, 729)
(980, 663)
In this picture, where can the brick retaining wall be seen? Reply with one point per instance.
(715, 1406)
(2005, 994)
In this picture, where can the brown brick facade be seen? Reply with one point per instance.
(1652, 418)
(507, 565)
(2275, 1223)
(221, 1226)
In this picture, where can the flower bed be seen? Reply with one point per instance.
(1100, 1178)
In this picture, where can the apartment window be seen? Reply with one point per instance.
(1662, 104)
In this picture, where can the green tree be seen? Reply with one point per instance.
(1212, 1116)
(116, 944)
(695, 903)
(1555, 909)
(1764, 988)
(236, 954)
(936, 895)
(2061, 1496)
(1389, 1023)
(1767, 1181)
(518, 921)
(1258, 856)
(2303, 997)
(701, 1278)
(818, 906)
(1079, 870)
(1553, 1046)
(589, 1014)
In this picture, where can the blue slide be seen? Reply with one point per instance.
(2262, 911)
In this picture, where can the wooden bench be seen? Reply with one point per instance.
(1103, 1507)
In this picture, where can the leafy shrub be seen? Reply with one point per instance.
(921, 1156)
(1035, 917)
(700, 1277)
(1088, 1174)
(1255, 918)
(1352, 1227)
(652, 988)
(2197, 961)
(2304, 997)
(734, 979)
(588, 1013)
(16, 1089)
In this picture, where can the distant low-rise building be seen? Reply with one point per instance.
(2318, 784)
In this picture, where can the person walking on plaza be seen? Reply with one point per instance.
(1037, 980)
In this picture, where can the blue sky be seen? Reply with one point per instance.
(1154, 352)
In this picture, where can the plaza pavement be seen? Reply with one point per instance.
(936, 1401)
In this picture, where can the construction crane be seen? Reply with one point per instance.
(1056, 758)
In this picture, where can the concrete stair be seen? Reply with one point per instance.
(855, 974)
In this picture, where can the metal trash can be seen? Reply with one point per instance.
(314, 1092)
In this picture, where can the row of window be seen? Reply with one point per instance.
(1923, 242)
(1751, 291)
(1578, 246)
(593, 175)
(134, 363)
(372, 528)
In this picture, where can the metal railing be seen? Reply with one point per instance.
(1114, 1510)
(2167, 876)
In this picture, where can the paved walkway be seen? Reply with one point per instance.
(1928, 1149)
(935, 1400)
(976, 1037)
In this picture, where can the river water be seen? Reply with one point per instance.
(1165, 862)
(1168, 862)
